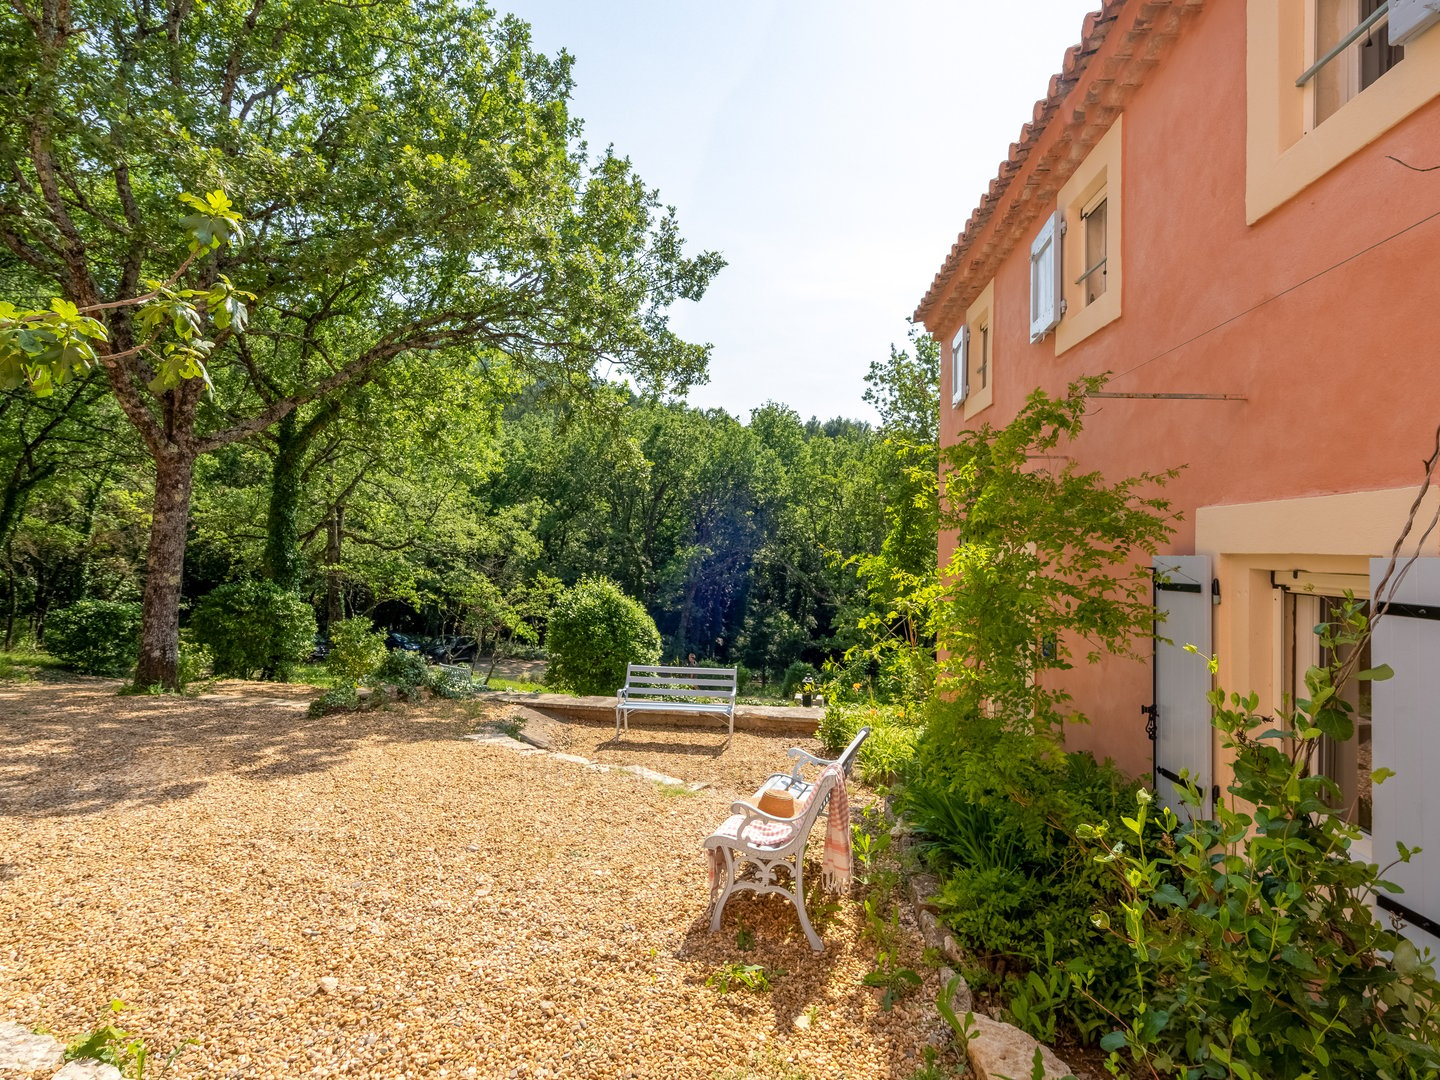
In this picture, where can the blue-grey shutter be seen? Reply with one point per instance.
(1406, 739)
(960, 366)
(1411, 18)
(1047, 291)
(1184, 741)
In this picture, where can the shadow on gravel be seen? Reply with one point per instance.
(79, 748)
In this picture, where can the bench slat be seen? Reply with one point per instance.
(675, 706)
(661, 669)
(672, 691)
(668, 680)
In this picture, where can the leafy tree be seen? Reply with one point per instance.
(413, 184)
(595, 631)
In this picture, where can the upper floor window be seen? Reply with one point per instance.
(1352, 50)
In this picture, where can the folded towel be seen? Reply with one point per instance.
(835, 866)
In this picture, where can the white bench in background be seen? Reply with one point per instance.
(653, 688)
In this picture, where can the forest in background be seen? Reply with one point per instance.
(747, 541)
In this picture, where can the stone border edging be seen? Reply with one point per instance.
(793, 719)
(520, 746)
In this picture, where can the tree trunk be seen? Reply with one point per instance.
(334, 532)
(282, 527)
(159, 663)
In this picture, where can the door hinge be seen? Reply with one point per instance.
(1151, 713)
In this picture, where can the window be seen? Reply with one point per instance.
(1306, 110)
(974, 356)
(1090, 204)
(1352, 50)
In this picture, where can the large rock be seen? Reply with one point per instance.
(87, 1069)
(1004, 1052)
(22, 1051)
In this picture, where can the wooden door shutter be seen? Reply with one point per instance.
(1406, 739)
(1046, 288)
(960, 366)
(1181, 714)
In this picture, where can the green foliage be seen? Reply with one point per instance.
(1254, 949)
(754, 977)
(111, 1045)
(343, 698)
(97, 637)
(897, 982)
(453, 684)
(595, 630)
(1046, 559)
(406, 671)
(888, 752)
(1017, 890)
(196, 661)
(356, 650)
(254, 627)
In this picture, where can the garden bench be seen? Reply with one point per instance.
(651, 688)
(753, 851)
(794, 782)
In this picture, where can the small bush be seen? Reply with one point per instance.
(594, 631)
(452, 684)
(97, 637)
(357, 649)
(406, 671)
(196, 661)
(340, 699)
(255, 627)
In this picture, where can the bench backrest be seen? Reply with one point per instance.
(660, 681)
(847, 759)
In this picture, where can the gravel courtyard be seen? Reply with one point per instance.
(481, 913)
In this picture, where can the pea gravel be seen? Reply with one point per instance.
(372, 896)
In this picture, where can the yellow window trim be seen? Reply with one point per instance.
(1100, 171)
(979, 314)
(1281, 157)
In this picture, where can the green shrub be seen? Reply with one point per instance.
(406, 671)
(340, 699)
(357, 649)
(1252, 933)
(196, 660)
(98, 637)
(888, 752)
(451, 683)
(594, 631)
(254, 627)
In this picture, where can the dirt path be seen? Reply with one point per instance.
(210, 860)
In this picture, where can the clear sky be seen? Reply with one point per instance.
(830, 151)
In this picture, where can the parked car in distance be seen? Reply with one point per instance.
(321, 650)
(402, 642)
(451, 649)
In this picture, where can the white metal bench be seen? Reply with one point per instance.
(763, 853)
(651, 688)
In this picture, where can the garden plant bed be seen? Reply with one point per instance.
(210, 860)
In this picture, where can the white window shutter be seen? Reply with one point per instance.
(1046, 290)
(1411, 18)
(1406, 739)
(1184, 740)
(960, 366)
